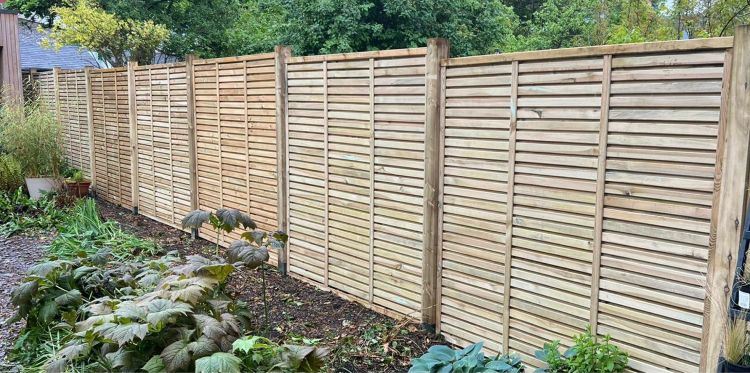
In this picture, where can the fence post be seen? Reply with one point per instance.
(437, 49)
(56, 79)
(90, 120)
(282, 53)
(729, 199)
(132, 116)
(192, 151)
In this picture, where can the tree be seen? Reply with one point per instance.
(329, 26)
(115, 40)
(195, 26)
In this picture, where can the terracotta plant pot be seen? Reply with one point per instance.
(79, 189)
(38, 185)
(728, 367)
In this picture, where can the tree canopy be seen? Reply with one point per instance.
(212, 28)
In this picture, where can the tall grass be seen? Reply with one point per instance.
(84, 233)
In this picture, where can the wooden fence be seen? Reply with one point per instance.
(513, 198)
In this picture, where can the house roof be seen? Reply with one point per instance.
(34, 56)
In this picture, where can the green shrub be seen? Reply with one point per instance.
(471, 359)
(11, 175)
(31, 134)
(97, 311)
(258, 354)
(19, 213)
(587, 355)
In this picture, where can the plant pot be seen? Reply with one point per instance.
(743, 297)
(79, 189)
(728, 367)
(38, 185)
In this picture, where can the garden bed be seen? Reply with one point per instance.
(360, 339)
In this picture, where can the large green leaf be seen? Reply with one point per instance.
(122, 333)
(69, 297)
(48, 311)
(162, 310)
(195, 219)
(130, 310)
(176, 356)
(220, 271)
(22, 293)
(204, 346)
(219, 362)
(210, 327)
(155, 365)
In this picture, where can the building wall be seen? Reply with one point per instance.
(10, 59)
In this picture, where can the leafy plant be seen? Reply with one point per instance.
(84, 233)
(253, 253)
(33, 137)
(224, 220)
(587, 355)
(11, 174)
(259, 354)
(19, 213)
(471, 359)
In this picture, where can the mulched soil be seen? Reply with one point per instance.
(17, 254)
(360, 340)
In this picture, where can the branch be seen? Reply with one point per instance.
(733, 17)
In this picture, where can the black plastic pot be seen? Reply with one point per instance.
(728, 367)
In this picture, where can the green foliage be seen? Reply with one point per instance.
(326, 26)
(260, 354)
(84, 233)
(19, 213)
(222, 221)
(587, 355)
(33, 137)
(11, 174)
(444, 359)
(114, 39)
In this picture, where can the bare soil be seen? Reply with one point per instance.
(360, 340)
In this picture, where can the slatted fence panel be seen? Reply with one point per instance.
(73, 117)
(161, 93)
(606, 163)
(236, 138)
(475, 189)
(356, 175)
(660, 174)
(112, 148)
(44, 84)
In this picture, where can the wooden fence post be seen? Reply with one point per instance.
(56, 79)
(729, 204)
(282, 53)
(192, 151)
(90, 120)
(132, 117)
(437, 49)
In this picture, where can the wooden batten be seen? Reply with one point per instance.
(132, 117)
(90, 126)
(600, 187)
(282, 53)
(729, 206)
(437, 49)
(512, 137)
(190, 115)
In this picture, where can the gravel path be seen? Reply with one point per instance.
(17, 254)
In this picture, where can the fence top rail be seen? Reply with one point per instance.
(249, 57)
(359, 55)
(160, 66)
(70, 71)
(110, 70)
(593, 51)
